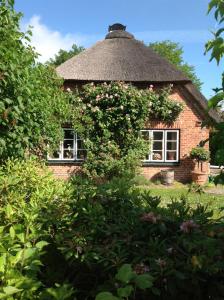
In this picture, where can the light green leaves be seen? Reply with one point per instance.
(10, 290)
(33, 106)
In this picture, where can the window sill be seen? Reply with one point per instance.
(162, 164)
(65, 162)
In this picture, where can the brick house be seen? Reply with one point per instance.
(120, 57)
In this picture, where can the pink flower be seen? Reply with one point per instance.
(151, 87)
(150, 217)
(188, 226)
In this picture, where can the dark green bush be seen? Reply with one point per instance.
(60, 240)
(116, 224)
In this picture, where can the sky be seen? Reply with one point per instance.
(59, 24)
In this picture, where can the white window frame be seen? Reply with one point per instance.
(75, 149)
(164, 146)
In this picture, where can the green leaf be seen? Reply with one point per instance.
(8, 210)
(106, 296)
(3, 262)
(29, 253)
(214, 101)
(125, 273)
(10, 290)
(144, 281)
(12, 232)
(21, 236)
(125, 292)
(41, 244)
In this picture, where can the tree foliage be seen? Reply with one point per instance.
(64, 55)
(32, 103)
(216, 48)
(173, 52)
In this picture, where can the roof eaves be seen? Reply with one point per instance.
(202, 101)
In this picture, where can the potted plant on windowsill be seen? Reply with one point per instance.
(200, 173)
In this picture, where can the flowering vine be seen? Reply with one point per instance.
(109, 116)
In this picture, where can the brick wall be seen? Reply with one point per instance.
(64, 171)
(191, 134)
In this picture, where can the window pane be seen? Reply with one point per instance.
(81, 154)
(55, 155)
(80, 144)
(146, 157)
(145, 135)
(157, 135)
(157, 145)
(171, 155)
(171, 136)
(171, 145)
(69, 144)
(157, 155)
(68, 134)
(68, 154)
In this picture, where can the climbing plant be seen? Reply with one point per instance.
(111, 116)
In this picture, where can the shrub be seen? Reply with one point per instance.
(60, 239)
(200, 154)
(180, 248)
(31, 203)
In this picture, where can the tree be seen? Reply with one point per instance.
(64, 55)
(32, 103)
(173, 52)
(216, 47)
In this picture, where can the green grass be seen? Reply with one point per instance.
(213, 202)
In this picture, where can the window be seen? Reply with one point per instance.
(164, 145)
(71, 148)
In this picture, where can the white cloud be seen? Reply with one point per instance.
(48, 42)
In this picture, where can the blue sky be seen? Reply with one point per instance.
(59, 24)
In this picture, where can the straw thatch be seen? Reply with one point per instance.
(202, 101)
(120, 57)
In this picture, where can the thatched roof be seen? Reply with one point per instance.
(201, 101)
(120, 57)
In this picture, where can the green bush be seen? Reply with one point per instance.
(180, 248)
(200, 154)
(61, 240)
(31, 204)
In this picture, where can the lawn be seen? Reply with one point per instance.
(167, 193)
